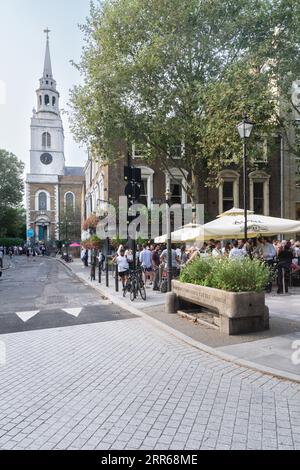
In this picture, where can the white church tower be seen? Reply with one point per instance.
(47, 133)
(51, 187)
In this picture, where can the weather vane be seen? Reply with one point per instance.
(47, 31)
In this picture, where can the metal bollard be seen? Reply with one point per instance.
(99, 272)
(107, 273)
(117, 279)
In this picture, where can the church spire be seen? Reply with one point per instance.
(47, 94)
(47, 63)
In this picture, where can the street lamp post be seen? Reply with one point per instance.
(244, 129)
(169, 239)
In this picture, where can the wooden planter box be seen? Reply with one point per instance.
(238, 312)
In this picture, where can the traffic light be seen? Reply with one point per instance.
(132, 174)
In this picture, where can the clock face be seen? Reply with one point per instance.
(46, 158)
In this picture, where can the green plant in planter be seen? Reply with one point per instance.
(227, 274)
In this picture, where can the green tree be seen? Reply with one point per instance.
(163, 72)
(12, 214)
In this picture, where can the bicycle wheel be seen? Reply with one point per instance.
(133, 290)
(142, 291)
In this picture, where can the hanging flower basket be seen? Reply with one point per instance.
(91, 222)
(92, 243)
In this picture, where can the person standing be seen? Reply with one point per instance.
(123, 266)
(156, 264)
(146, 263)
(1, 257)
(285, 260)
(129, 256)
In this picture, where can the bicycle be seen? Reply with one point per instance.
(135, 285)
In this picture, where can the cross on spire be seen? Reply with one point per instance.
(47, 31)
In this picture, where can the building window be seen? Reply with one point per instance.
(53, 100)
(176, 181)
(42, 201)
(69, 201)
(46, 140)
(47, 100)
(258, 197)
(143, 199)
(259, 192)
(228, 190)
(41, 100)
(140, 150)
(176, 192)
(177, 151)
(228, 196)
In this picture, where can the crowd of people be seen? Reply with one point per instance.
(27, 250)
(154, 258)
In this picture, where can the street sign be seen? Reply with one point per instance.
(30, 233)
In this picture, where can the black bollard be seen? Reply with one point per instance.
(99, 272)
(107, 272)
(117, 279)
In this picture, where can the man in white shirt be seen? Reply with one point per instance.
(236, 252)
(267, 249)
(217, 252)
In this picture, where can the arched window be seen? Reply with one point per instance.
(42, 201)
(70, 201)
(53, 100)
(46, 140)
(47, 100)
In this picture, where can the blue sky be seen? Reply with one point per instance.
(22, 48)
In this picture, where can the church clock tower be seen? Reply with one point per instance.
(47, 133)
(47, 159)
(52, 189)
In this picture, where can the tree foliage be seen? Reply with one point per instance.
(163, 72)
(12, 215)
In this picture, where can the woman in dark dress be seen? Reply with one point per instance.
(285, 259)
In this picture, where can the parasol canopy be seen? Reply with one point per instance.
(230, 225)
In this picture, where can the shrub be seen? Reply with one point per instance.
(11, 242)
(227, 274)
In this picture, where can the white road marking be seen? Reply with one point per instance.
(75, 312)
(25, 316)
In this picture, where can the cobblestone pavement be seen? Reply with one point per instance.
(130, 385)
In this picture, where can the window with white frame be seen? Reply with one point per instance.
(146, 196)
(258, 197)
(228, 195)
(228, 190)
(143, 199)
(259, 191)
(42, 201)
(140, 150)
(176, 182)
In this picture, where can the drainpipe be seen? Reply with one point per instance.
(281, 177)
